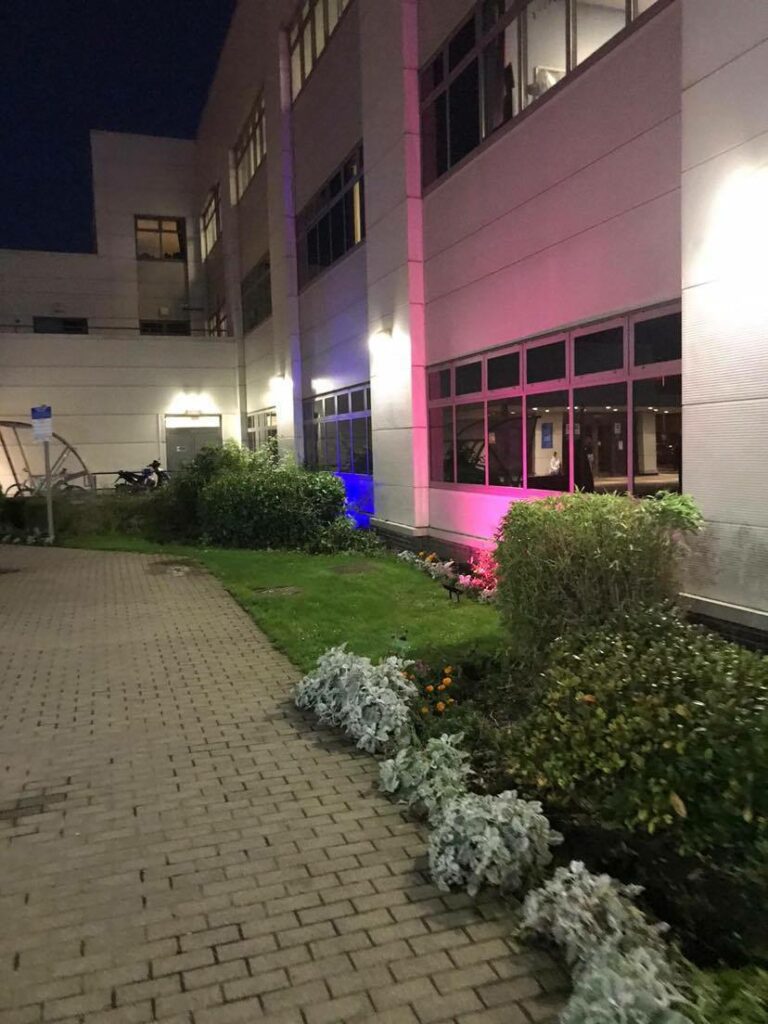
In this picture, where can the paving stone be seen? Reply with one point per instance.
(203, 851)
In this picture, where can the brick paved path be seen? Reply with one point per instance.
(178, 844)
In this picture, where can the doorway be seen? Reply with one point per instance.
(186, 436)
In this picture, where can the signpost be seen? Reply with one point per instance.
(42, 431)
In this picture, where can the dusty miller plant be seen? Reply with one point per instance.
(369, 702)
(581, 912)
(426, 778)
(625, 988)
(490, 840)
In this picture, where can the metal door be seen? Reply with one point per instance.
(184, 443)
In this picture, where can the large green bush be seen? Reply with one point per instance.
(578, 560)
(654, 726)
(232, 497)
(76, 514)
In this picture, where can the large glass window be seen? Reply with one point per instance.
(210, 221)
(308, 35)
(333, 222)
(256, 294)
(658, 434)
(262, 427)
(502, 59)
(217, 324)
(580, 417)
(337, 432)
(251, 146)
(160, 238)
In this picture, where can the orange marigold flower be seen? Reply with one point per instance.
(446, 681)
(440, 706)
(441, 687)
(430, 688)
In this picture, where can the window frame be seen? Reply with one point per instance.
(251, 140)
(314, 420)
(569, 383)
(181, 231)
(217, 322)
(320, 206)
(261, 425)
(304, 18)
(210, 217)
(261, 272)
(633, 19)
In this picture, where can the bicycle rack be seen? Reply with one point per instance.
(25, 480)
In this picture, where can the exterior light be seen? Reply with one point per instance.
(321, 385)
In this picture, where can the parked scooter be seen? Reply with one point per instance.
(143, 480)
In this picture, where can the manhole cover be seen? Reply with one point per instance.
(352, 569)
(14, 810)
(276, 591)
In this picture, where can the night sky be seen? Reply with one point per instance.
(70, 65)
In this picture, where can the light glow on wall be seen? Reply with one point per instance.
(321, 385)
(391, 361)
(734, 248)
(192, 403)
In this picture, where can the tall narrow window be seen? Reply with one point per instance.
(210, 221)
(256, 294)
(545, 22)
(313, 25)
(251, 146)
(337, 432)
(596, 22)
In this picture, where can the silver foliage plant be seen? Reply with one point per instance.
(369, 702)
(580, 911)
(427, 778)
(490, 840)
(625, 988)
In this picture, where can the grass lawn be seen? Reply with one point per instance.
(377, 606)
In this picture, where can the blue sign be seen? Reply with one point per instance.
(546, 435)
(42, 423)
(41, 412)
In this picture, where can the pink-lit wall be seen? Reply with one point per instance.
(568, 216)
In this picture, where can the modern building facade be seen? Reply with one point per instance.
(462, 252)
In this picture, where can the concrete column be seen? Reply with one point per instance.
(725, 301)
(394, 256)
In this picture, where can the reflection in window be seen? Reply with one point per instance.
(600, 438)
(501, 74)
(547, 441)
(599, 351)
(659, 340)
(658, 435)
(441, 444)
(545, 362)
(262, 427)
(547, 64)
(597, 21)
(505, 442)
(470, 443)
(337, 432)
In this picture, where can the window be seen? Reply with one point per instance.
(262, 427)
(217, 324)
(308, 35)
(333, 222)
(59, 325)
(160, 238)
(210, 221)
(337, 432)
(174, 327)
(582, 415)
(502, 59)
(256, 293)
(251, 147)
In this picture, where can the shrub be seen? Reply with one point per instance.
(576, 561)
(731, 997)
(657, 726)
(343, 534)
(428, 777)
(579, 911)
(367, 701)
(232, 497)
(490, 840)
(481, 581)
(625, 988)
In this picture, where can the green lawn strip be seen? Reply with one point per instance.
(377, 606)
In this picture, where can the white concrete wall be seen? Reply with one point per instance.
(109, 396)
(132, 174)
(725, 312)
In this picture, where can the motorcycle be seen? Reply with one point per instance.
(141, 481)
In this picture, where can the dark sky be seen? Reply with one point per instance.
(70, 65)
